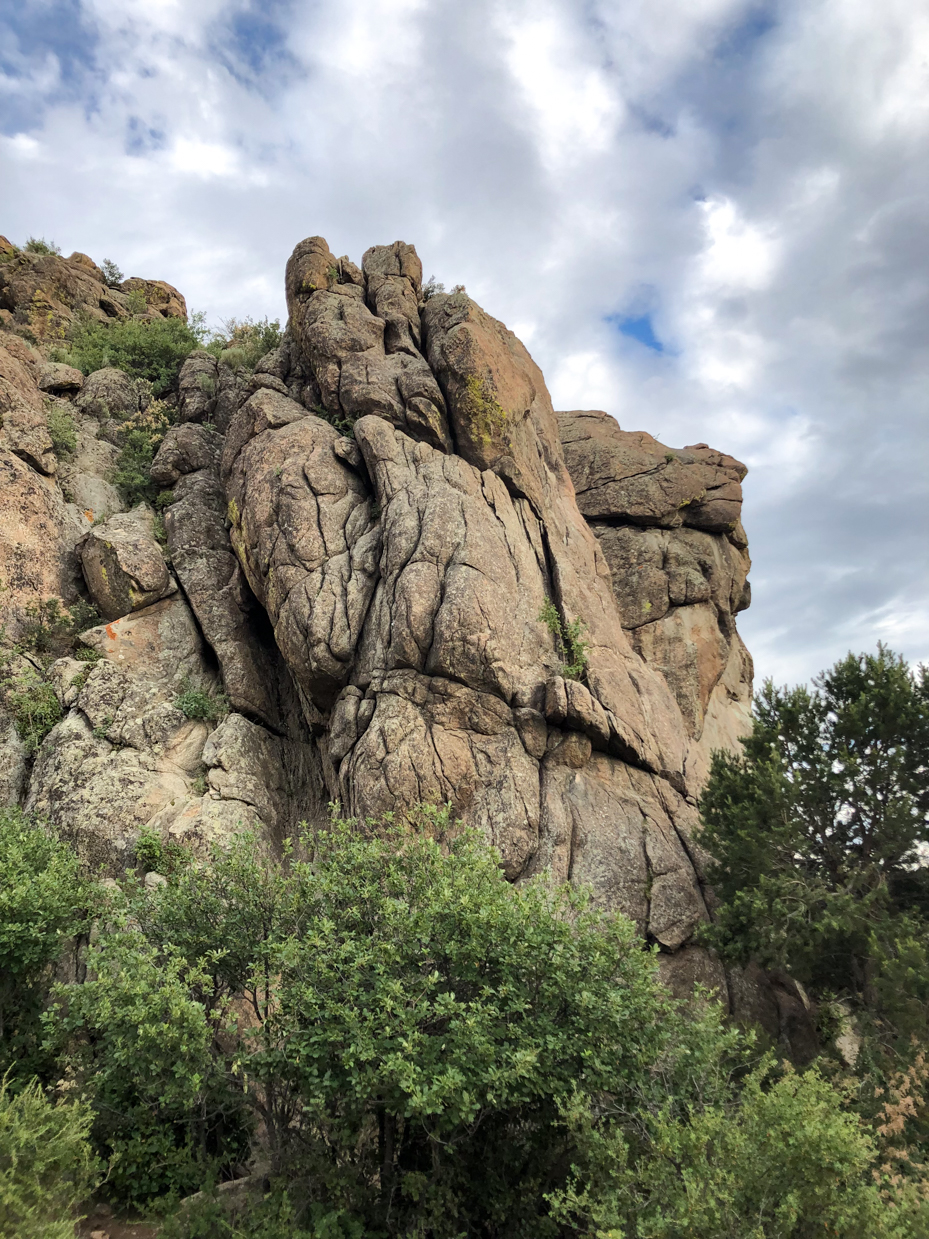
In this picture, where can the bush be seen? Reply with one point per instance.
(44, 901)
(139, 1038)
(431, 1051)
(38, 245)
(33, 703)
(61, 429)
(194, 703)
(569, 638)
(47, 1168)
(151, 349)
(50, 629)
(111, 272)
(141, 435)
(243, 342)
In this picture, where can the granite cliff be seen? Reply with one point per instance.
(407, 574)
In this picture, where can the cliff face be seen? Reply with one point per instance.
(414, 581)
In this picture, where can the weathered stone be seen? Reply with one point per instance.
(343, 343)
(433, 741)
(110, 393)
(198, 384)
(303, 531)
(24, 431)
(631, 477)
(59, 379)
(161, 299)
(123, 565)
(84, 474)
(254, 676)
(14, 761)
(393, 278)
(185, 449)
(38, 532)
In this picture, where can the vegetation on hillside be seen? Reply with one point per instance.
(407, 1045)
(819, 832)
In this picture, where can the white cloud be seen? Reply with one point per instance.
(755, 179)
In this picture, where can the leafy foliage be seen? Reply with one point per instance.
(152, 349)
(818, 831)
(49, 629)
(61, 428)
(38, 245)
(44, 900)
(428, 1050)
(32, 701)
(196, 703)
(243, 342)
(47, 1168)
(141, 437)
(570, 640)
(111, 272)
(816, 828)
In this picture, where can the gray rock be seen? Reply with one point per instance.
(59, 379)
(123, 565)
(110, 393)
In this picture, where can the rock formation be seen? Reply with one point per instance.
(413, 580)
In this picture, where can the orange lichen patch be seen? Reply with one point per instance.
(111, 632)
(89, 513)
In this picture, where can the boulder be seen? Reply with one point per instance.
(198, 384)
(123, 565)
(630, 477)
(59, 379)
(110, 393)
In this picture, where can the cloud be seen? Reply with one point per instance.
(706, 216)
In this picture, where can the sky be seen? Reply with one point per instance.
(708, 217)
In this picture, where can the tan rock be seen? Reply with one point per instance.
(38, 532)
(123, 565)
(161, 298)
(110, 393)
(630, 476)
(58, 379)
(343, 344)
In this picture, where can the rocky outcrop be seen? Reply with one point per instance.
(669, 524)
(123, 565)
(47, 293)
(413, 581)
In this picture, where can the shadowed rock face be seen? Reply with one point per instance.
(365, 534)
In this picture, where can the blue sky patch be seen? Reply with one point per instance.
(639, 328)
(252, 45)
(29, 34)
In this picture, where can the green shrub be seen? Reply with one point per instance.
(38, 245)
(141, 437)
(430, 1051)
(136, 301)
(154, 854)
(569, 638)
(34, 705)
(84, 654)
(111, 272)
(139, 1038)
(243, 342)
(44, 901)
(195, 703)
(47, 1168)
(152, 349)
(49, 629)
(61, 428)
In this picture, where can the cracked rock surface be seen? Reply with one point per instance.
(412, 580)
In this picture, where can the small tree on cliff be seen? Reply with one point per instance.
(817, 827)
